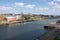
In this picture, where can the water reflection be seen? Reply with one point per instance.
(3, 32)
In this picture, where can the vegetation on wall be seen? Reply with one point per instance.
(1, 18)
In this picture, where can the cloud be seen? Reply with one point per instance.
(5, 8)
(55, 4)
(42, 9)
(19, 4)
(56, 0)
(30, 6)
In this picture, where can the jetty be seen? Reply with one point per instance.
(52, 34)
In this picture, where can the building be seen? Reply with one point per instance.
(18, 16)
(10, 18)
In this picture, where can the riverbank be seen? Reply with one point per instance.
(20, 21)
(53, 33)
(8, 23)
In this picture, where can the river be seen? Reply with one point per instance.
(24, 31)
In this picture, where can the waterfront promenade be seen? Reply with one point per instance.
(51, 34)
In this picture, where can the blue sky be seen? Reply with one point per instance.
(47, 7)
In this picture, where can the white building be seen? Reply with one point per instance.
(18, 17)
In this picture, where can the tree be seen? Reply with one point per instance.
(26, 17)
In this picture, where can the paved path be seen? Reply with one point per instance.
(49, 35)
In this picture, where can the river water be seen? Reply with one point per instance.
(24, 31)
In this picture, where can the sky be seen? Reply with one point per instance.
(46, 7)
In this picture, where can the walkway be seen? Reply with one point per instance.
(49, 35)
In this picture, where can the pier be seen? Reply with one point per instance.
(51, 34)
